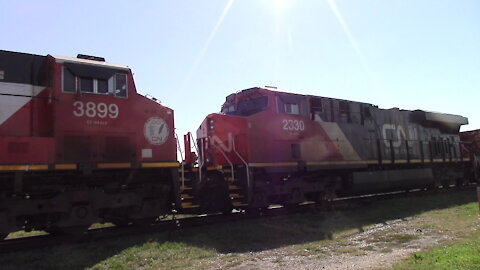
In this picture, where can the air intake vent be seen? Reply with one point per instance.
(90, 57)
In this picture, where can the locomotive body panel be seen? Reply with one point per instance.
(295, 128)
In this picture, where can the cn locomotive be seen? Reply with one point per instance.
(274, 147)
(79, 145)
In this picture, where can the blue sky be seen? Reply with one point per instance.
(191, 54)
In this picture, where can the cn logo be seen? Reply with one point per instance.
(218, 142)
(395, 130)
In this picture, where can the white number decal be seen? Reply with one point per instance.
(90, 109)
(102, 110)
(297, 125)
(78, 111)
(113, 110)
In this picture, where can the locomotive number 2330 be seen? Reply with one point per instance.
(92, 109)
(289, 124)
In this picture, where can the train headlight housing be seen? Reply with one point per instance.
(211, 124)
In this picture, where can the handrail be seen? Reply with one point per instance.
(200, 160)
(244, 162)
(194, 142)
(228, 160)
(182, 170)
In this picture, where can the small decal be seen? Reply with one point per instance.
(156, 131)
(147, 153)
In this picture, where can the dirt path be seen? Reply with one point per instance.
(376, 247)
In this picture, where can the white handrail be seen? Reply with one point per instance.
(200, 162)
(228, 160)
(181, 155)
(244, 162)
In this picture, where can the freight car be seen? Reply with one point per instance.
(271, 147)
(79, 145)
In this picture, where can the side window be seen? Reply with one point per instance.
(316, 108)
(94, 80)
(102, 86)
(69, 81)
(86, 85)
(292, 108)
(291, 104)
(121, 85)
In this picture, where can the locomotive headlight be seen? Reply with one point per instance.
(211, 124)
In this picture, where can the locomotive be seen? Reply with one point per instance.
(79, 145)
(273, 147)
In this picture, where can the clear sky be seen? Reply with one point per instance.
(190, 54)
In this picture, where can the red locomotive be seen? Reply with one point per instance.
(273, 147)
(78, 145)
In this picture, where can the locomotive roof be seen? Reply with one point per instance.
(88, 62)
(425, 115)
(283, 91)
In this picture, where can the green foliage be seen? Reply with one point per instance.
(458, 256)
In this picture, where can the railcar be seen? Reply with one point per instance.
(471, 149)
(270, 147)
(79, 145)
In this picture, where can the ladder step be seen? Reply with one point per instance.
(184, 179)
(186, 188)
(239, 204)
(189, 205)
(233, 187)
(227, 170)
(186, 196)
(236, 196)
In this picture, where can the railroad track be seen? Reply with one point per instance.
(172, 223)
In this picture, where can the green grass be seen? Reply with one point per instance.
(463, 254)
(459, 256)
(196, 248)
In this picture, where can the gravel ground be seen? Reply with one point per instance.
(377, 247)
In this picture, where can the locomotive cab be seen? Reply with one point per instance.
(79, 145)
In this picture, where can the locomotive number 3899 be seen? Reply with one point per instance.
(92, 109)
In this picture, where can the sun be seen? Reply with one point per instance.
(279, 7)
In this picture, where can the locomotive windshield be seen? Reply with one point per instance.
(246, 107)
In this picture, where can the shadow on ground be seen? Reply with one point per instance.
(242, 236)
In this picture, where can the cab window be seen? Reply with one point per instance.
(247, 106)
(93, 80)
(291, 104)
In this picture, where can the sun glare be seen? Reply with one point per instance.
(279, 7)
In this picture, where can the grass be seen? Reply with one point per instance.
(463, 255)
(460, 254)
(202, 247)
